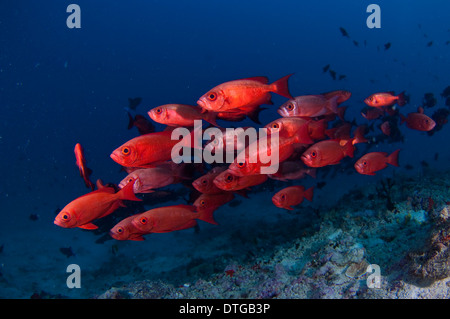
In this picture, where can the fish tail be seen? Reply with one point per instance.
(349, 148)
(402, 118)
(254, 115)
(207, 215)
(130, 121)
(311, 172)
(211, 117)
(359, 135)
(332, 104)
(341, 112)
(127, 193)
(393, 158)
(281, 86)
(308, 194)
(401, 99)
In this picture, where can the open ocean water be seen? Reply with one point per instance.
(60, 86)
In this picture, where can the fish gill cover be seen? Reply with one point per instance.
(354, 100)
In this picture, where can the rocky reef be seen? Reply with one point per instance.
(400, 225)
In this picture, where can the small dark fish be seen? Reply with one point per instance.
(424, 164)
(320, 185)
(429, 44)
(436, 156)
(325, 68)
(429, 100)
(66, 251)
(342, 76)
(356, 43)
(1, 248)
(447, 42)
(446, 92)
(34, 217)
(143, 125)
(365, 43)
(133, 103)
(57, 210)
(333, 74)
(447, 101)
(387, 46)
(409, 166)
(440, 117)
(344, 32)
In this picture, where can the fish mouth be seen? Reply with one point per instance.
(283, 112)
(202, 104)
(305, 159)
(115, 157)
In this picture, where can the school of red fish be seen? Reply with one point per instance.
(306, 142)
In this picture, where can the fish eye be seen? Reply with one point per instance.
(364, 163)
(202, 202)
(212, 96)
(313, 154)
(130, 180)
(283, 197)
(289, 107)
(120, 230)
(143, 220)
(126, 150)
(229, 178)
(65, 217)
(370, 99)
(158, 110)
(241, 164)
(204, 181)
(275, 126)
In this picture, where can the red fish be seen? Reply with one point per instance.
(205, 184)
(146, 150)
(309, 106)
(148, 179)
(212, 201)
(143, 125)
(231, 182)
(239, 94)
(328, 152)
(292, 196)
(292, 126)
(342, 95)
(375, 161)
(386, 128)
(385, 99)
(125, 230)
(418, 121)
(180, 115)
(97, 204)
(372, 113)
(292, 170)
(251, 164)
(171, 218)
(251, 111)
(85, 172)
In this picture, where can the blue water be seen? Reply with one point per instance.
(61, 86)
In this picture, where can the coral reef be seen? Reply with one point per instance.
(409, 242)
